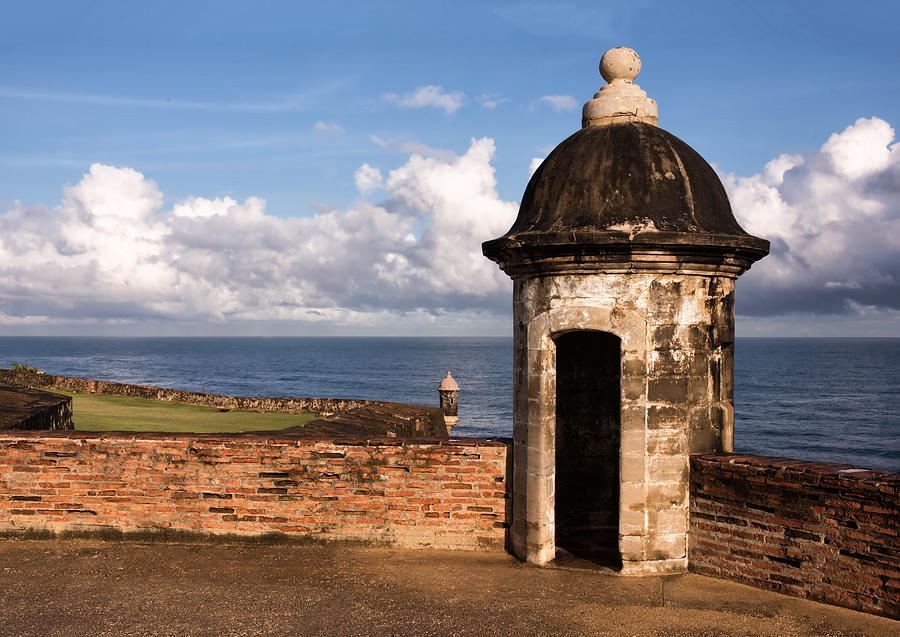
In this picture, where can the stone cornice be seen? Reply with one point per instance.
(586, 251)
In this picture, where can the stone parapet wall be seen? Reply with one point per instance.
(823, 531)
(409, 493)
(22, 408)
(57, 416)
(426, 420)
(291, 405)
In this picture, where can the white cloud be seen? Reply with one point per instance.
(330, 128)
(491, 101)
(834, 222)
(559, 102)
(429, 96)
(111, 253)
(861, 150)
(198, 207)
(461, 205)
(535, 164)
(367, 178)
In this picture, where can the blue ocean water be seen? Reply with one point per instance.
(818, 399)
(832, 399)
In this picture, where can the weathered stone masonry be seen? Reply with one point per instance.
(340, 416)
(251, 403)
(623, 258)
(411, 493)
(22, 408)
(676, 395)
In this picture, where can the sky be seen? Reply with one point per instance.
(292, 168)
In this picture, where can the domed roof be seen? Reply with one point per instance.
(621, 184)
(448, 384)
(628, 177)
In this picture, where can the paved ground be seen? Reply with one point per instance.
(84, 587)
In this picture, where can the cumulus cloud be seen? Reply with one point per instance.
(328, 128)
(111, 252)
(559, 102)
(429, 96)
(367, 178)
(535, 164)
(114, 253)
(833, 218)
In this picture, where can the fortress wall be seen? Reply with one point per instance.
(29, 409)
(54, 416)
(251, 403)
(409, 493)
(826, 532)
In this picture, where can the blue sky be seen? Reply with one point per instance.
(285, 102)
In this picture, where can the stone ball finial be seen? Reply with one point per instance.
(620, 63)
(621, 100)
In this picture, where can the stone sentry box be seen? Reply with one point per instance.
(624, 257)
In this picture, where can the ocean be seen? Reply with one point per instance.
(827, 399)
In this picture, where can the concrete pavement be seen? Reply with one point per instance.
(92, 587)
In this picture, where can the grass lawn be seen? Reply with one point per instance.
(101, 412)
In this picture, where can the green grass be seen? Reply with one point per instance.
(101, 412)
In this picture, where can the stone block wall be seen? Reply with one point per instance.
(251, 403)
(676, 334)
(400, 418)
(22, 408)
(823, 531)
(410, 493)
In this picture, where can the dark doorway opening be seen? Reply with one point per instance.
(588, 439)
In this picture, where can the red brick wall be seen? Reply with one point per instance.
(412, 493)
(823, 531)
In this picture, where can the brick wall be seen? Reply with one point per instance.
(822, 531)
(413, 493)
